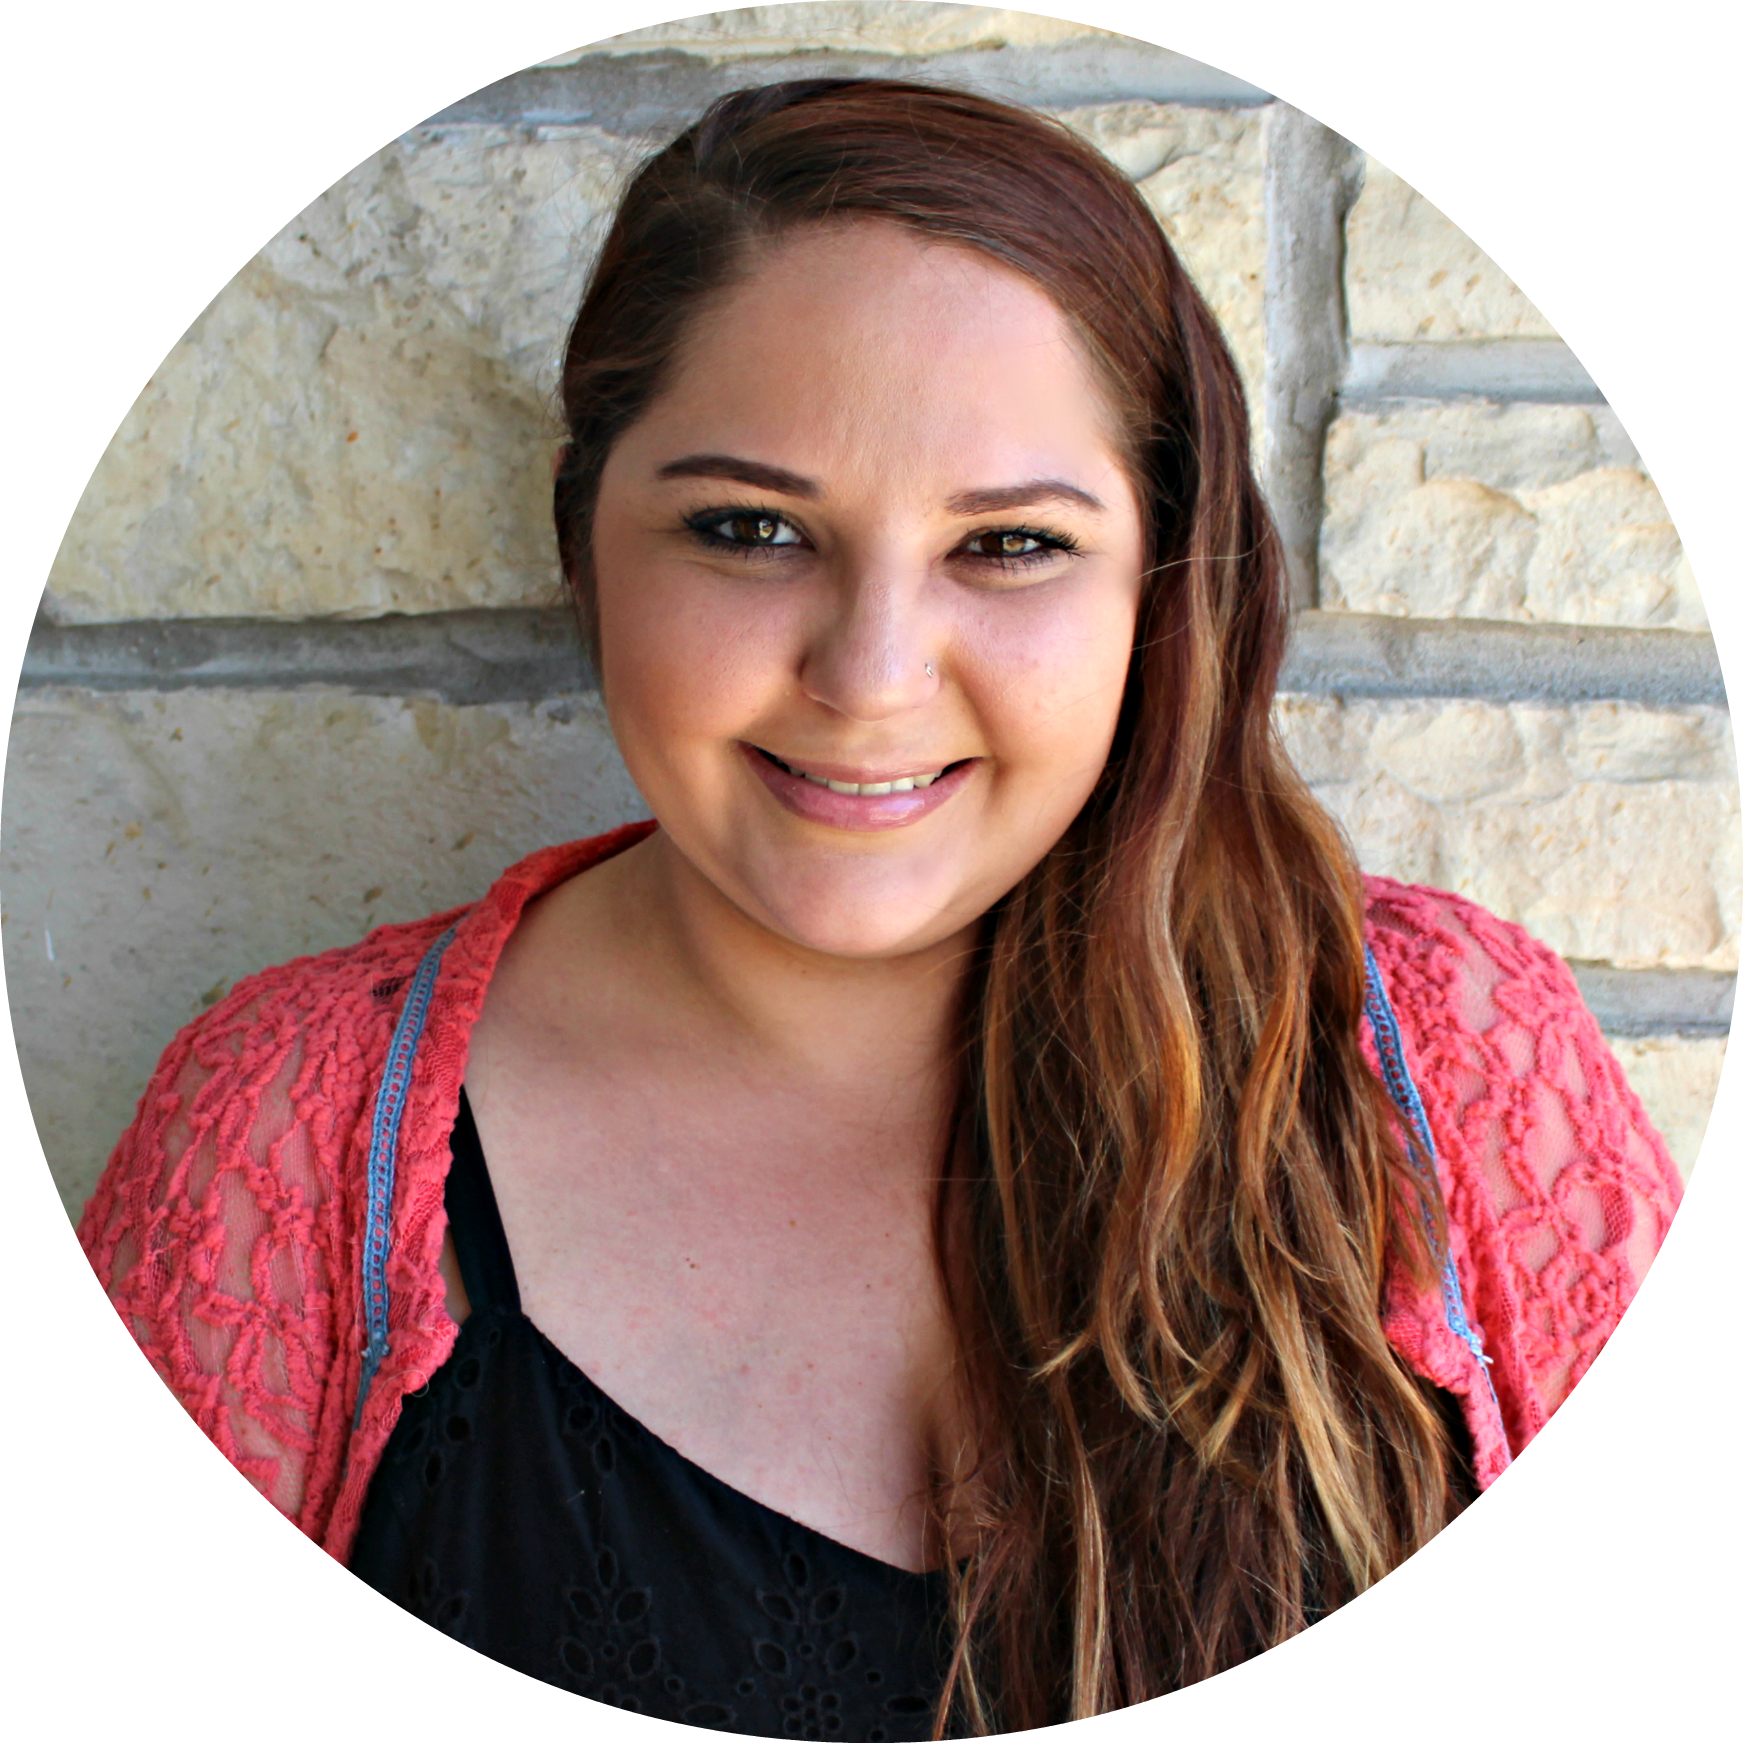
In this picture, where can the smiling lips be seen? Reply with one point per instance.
(875, 804)
(864, 789)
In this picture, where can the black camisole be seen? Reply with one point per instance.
(518, 1509)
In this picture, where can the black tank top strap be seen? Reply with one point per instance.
(486, 1267)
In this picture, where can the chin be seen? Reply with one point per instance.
(863, 918)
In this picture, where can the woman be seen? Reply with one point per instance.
(945, 1232)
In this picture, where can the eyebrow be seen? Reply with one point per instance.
(778, 478)
(1022, 495)
(751, 472)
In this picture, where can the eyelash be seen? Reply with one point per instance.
(705, 526)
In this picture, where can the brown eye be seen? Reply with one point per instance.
(1010, 544)
(744, 529)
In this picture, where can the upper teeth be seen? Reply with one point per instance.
(870, 789)
(905, 785)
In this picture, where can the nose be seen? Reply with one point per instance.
(873, 655)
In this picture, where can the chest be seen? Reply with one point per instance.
(744, 1266)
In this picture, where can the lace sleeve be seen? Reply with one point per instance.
(1557, 1186)
(214, 1231)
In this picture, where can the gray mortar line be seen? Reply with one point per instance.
(1351, 654)
(470, 657)
(455, 656)
(1691, 1002)
(1543, 371)
(1311, 176)
(650, 95)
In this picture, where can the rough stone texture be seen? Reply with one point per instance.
(1202, 172)
(361, 421)
(1610, 831)
(1533, 513)
(1677, 1079)
(1410, 273)
(158, 846)
(880, 27)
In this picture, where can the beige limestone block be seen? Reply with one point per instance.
(1611, 832)
(1607, 552)
(1532, 513)
(360, 421)
(156, 847)
(885, 27)
(1411, 275)
(1202, 172)
(1677, 1080)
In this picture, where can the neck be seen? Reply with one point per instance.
(837, 1020)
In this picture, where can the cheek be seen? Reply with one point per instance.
(1050, 678)
(685, 655)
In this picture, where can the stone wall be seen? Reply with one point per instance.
(301, 668)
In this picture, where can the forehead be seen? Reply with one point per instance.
(864, 345)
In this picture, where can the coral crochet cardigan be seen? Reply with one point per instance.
(232, 1227)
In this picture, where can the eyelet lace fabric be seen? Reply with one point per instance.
(227, 1228)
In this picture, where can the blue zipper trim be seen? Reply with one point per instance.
(1389, 1044)
(383, 1154)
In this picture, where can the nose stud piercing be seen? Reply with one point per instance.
(929, 672)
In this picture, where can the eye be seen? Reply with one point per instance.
(744, 529)
(1016, 547)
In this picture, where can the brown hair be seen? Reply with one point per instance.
(1172, 1185)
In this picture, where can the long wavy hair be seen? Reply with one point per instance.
(1173, 1185)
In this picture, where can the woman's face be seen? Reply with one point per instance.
(868, 573)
